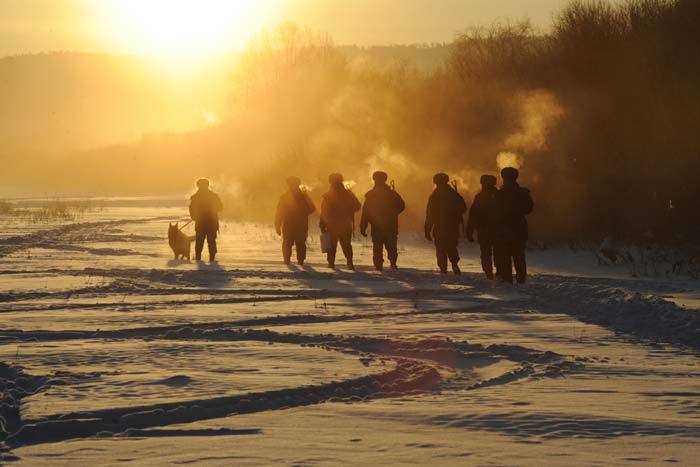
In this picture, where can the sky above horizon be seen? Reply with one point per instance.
(193, 26)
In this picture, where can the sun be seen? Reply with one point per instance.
(183, 29)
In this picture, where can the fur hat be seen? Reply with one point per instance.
(335, 178)
(510, 173)
(380, 176)
(293, 181)
(488, 180)
(441, 178)
(203, 183)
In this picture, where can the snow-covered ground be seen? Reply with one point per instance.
(114, 352)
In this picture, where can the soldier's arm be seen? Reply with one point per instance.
(193, 210)
(429, 221)
(321, 220)
(400, 203)
(355, 203)
(461, 204)
(528, 203)
(311, 207)
(472, 220)
(278, 217)
(364, 221)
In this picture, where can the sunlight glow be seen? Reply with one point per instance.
(183, 29)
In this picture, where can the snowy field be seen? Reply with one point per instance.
(112, 352)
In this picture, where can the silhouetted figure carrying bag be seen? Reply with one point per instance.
(338, 218)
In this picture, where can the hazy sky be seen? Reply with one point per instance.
(28, 26)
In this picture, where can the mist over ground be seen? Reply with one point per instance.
(601, 115)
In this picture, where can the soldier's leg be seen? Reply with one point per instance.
(287, 240)
(392, 249)
(199, 244)
(520, 262)
(486, 246)
(300, 243)
(346, 245)
(377, 251)
(497, 260)
(506, 252)
(453, 252)
(211, 244)
(441, 254)
(332, 249)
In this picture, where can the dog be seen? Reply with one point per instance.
(179, 242)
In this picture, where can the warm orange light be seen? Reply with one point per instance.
(183, 29)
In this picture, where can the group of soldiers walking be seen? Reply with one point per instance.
(497, 216)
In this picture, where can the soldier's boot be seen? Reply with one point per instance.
(455, 269)
(378, 263)
(351, 266)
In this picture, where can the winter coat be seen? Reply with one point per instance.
(482, 214)
(205, 206)
(338, 209)
(513, 204)
(445, 211)
(381, 209)
(293, 211)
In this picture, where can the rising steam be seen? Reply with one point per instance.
(509, 159)
(540, 111)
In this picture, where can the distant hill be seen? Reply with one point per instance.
(68, 101)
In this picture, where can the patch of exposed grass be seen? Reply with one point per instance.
(48, 211)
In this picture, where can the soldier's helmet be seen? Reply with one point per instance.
(380, 176)
(510, 173)
(488, 180)
(293, 182)
(441, 179)
(203, 183)
(335, 178)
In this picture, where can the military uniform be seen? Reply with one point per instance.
(337, 218)
(482, 220)
(444, 216)
(381, 210)
(292, 222)
(513, 204)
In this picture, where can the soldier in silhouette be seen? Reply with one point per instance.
(513, 204)
(381, 210)
(482, 219)
(292, 220)
(338, 210)
(444, 215)
(205, 206)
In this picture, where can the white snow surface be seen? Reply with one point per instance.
(113, 352)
